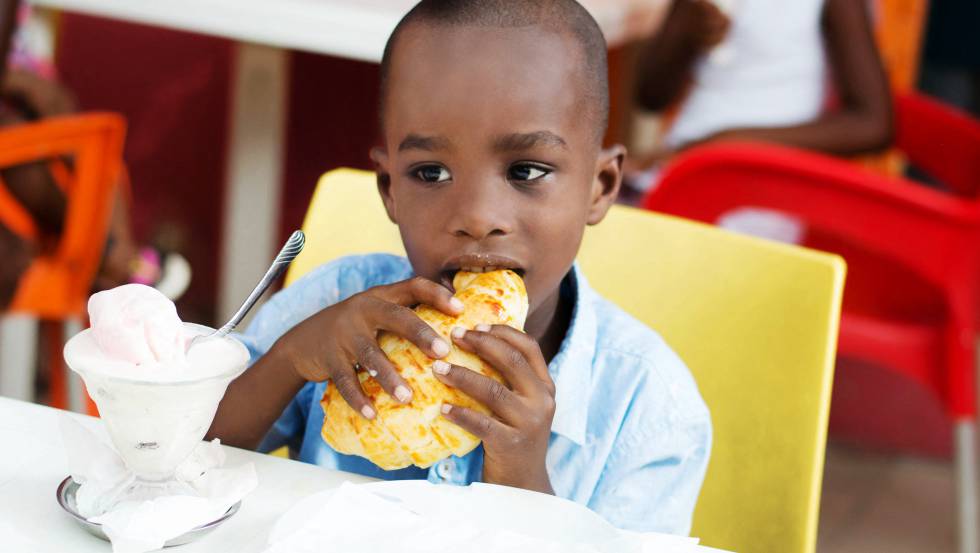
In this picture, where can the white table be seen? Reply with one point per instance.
(265, 30)
(33, 463)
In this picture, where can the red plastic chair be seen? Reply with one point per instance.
(941, 141)
(912, 302)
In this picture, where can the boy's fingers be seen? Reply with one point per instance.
(418, 290)
(501, 401)
(527, 346)
(376, 363)
(480, 425)
(509, 361)
(403, 322)
(349, 386)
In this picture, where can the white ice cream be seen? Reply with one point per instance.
(136, 334)
(156, 401)
(136, 324)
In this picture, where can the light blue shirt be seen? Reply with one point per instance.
(631, 435)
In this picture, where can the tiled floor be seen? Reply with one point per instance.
(875, 503)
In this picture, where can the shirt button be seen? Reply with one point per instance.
(444, 469)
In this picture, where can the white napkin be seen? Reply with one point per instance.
(355, 520)
(138, 527)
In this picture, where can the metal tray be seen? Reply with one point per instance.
(66, 498)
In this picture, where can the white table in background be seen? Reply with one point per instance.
(33, 463)
(265, 30)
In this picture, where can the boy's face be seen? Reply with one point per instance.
(490, 156)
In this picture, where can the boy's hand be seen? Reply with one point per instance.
(331, 343)
(515, 439)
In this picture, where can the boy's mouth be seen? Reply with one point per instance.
(477, 263)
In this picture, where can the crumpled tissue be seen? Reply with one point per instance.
(141, 526)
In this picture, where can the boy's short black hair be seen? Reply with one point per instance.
(563, 16)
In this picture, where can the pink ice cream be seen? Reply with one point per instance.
(136, 324)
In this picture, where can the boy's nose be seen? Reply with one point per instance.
(479, 215)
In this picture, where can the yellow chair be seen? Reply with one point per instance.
(756, 322)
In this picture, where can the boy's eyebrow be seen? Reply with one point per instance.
(427, 143)
(525, 141)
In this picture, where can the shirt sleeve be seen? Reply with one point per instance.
(652, 479)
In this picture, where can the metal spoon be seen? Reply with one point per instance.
(286, 256)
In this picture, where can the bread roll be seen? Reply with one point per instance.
(417, 434)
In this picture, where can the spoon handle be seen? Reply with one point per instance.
(286, 255)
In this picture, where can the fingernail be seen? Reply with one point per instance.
(456, 304)
(440, 367)
(483, 327)
(403, 394)
(458, 332)
(367, 412)
(446, 408)
(440, 347)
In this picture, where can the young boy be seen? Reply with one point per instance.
(493, 113)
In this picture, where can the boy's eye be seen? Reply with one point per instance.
(527, 172)
(432, 173)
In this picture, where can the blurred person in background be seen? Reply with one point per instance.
(29, 91)
(803, 73)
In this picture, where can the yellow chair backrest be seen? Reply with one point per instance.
(756, 323)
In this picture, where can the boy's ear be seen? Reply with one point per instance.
(605, 185)
(380, 158)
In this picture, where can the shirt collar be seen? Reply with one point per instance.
(571, 368)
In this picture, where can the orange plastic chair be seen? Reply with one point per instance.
(899, 27)
(56, 285)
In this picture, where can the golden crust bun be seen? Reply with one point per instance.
(402, 435)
